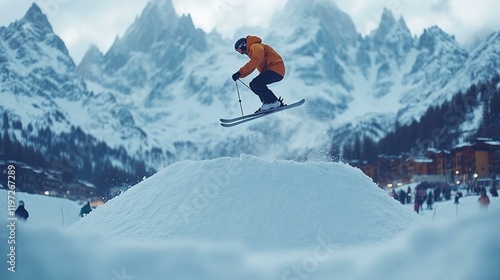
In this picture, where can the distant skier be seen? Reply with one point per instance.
(21, 212)
(270, 66)
(86, 209)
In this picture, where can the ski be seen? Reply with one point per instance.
(250, 117)
(289, 106)
(230, 124)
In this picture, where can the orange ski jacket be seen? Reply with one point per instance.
(262, 57)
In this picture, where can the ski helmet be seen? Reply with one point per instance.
(241, 44)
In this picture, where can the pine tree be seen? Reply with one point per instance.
(5, 125)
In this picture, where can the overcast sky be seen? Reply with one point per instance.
(83, 22)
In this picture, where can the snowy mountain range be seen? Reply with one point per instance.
(352, 84)
(42, 89)
(159, 91)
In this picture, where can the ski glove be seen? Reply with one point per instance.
(236, 76)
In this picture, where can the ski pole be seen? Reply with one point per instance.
(62, 216)
(244, 84)
(239, 97)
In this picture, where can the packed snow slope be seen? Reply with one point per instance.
(263, 204)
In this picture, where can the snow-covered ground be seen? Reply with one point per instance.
(248, 218)
(43, 210)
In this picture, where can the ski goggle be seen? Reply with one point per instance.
(240, 48)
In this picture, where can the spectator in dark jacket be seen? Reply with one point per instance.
(494, 191)
(430, 201)
(21, 212)
(86, 209)
(402, 196)
(408, 196)
(393, 194)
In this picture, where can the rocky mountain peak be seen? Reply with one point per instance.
(146, 48)
(34, 28)
(387, 17)
(38, 20)
(150, 27)
(434, 37)
(321, 18)
(392, 31)
(91, 59)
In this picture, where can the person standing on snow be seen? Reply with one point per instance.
(458, 195)
(21, 212)
(493, 191)
(86, 209)
(416, 205)
(270, 66)
(430, 201)
(484, 201)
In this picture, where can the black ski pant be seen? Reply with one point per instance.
(259, 85)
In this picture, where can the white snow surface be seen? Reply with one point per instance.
(42, 210)
(265, 204)
(249, 218)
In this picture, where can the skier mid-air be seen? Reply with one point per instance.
(270, 66)
(271, 70)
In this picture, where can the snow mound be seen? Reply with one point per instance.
(264, 204)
